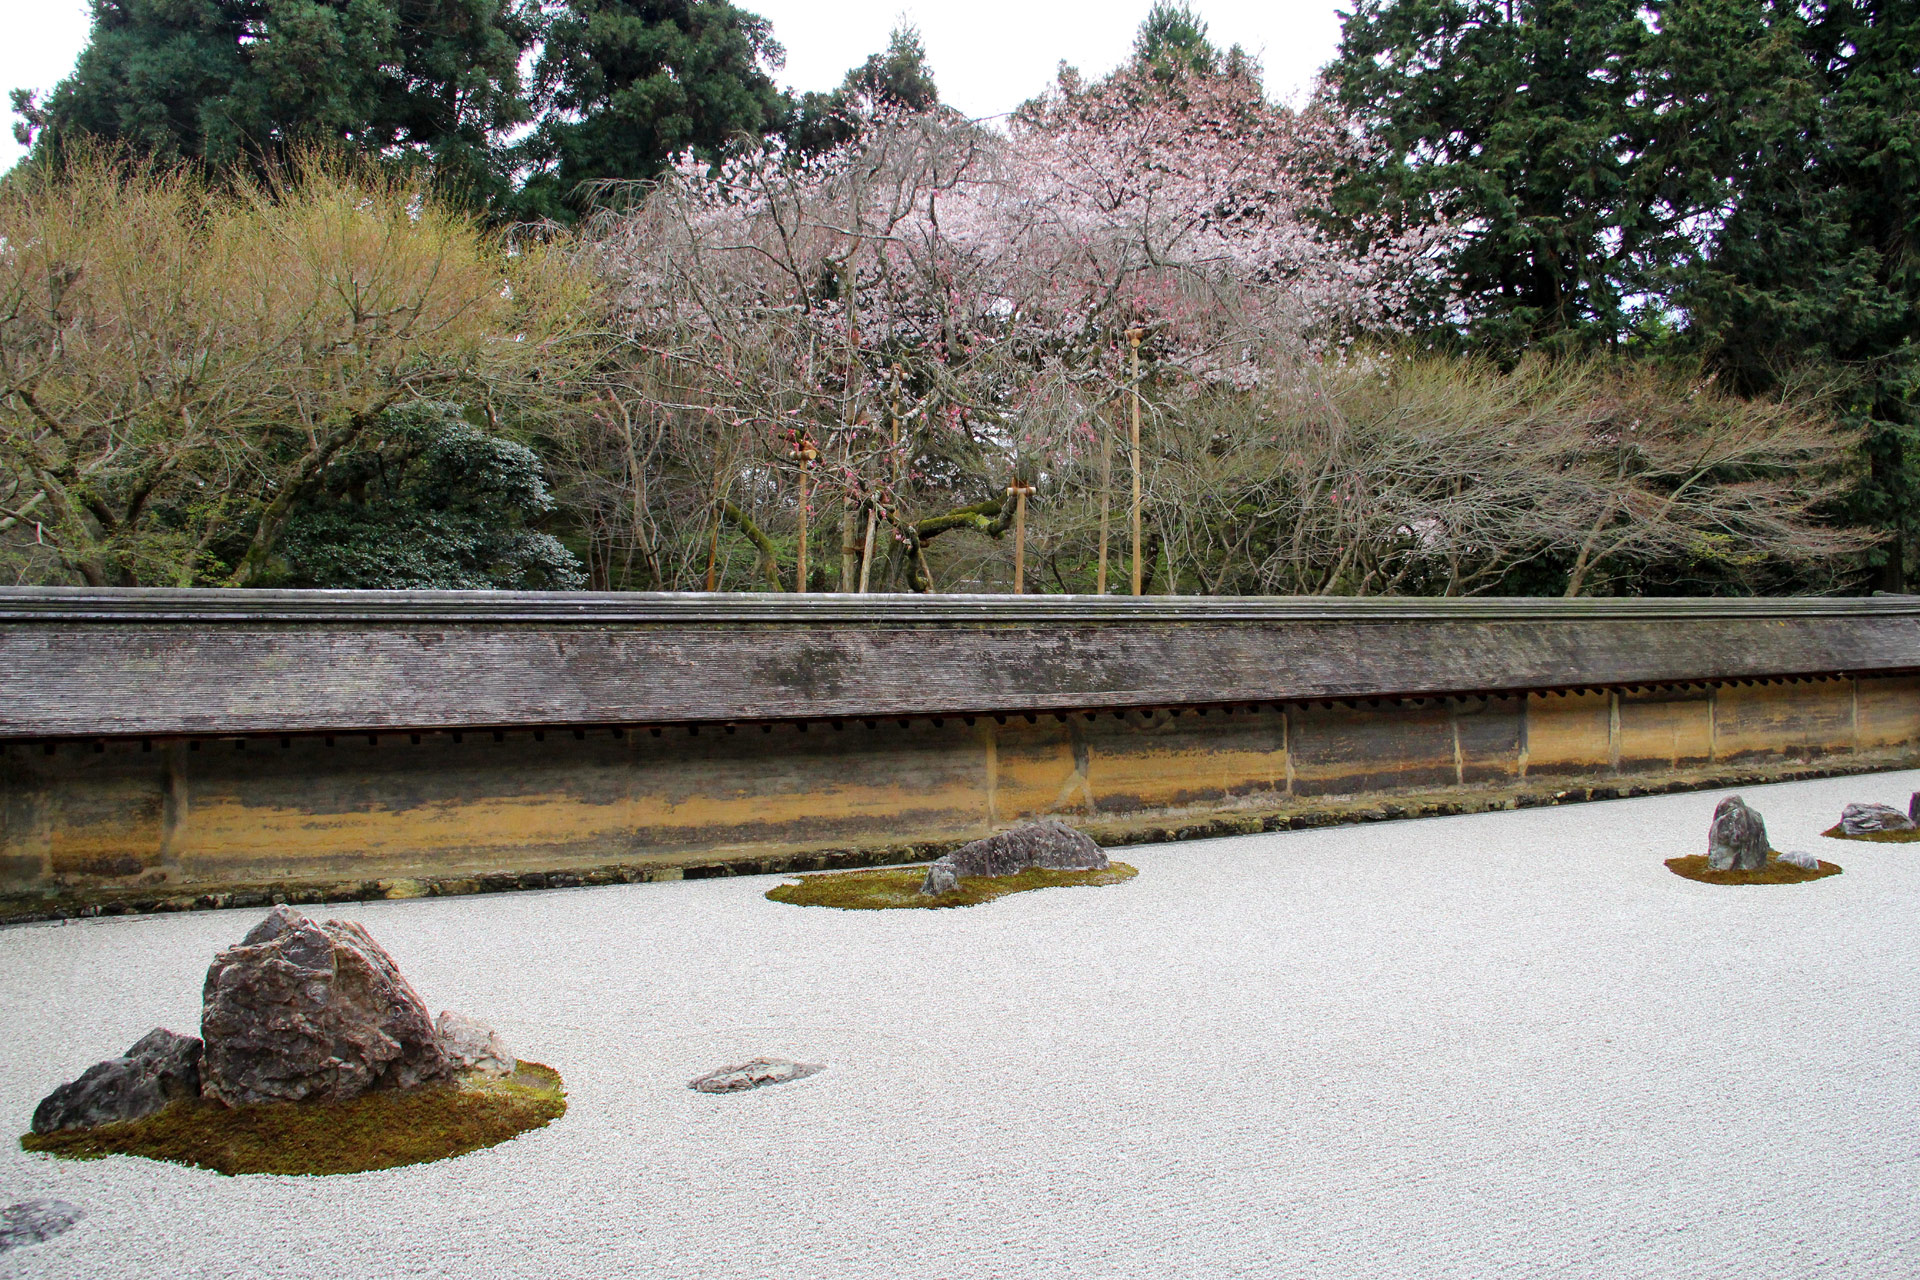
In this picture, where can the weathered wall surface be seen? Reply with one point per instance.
(168, 815)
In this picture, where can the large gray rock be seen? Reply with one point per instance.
(300, 1010)
(1865, 819)
(1737, 840)
(1913, 808)
(31, 1221)
(1049, 844)
(162, 1067)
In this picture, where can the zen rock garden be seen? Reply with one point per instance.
(314, 1056)
(1738, 852)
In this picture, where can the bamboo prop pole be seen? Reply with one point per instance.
(1019, 492)
(849, 546)
(873, 504)
(804, 451)
(866, 552)
(1106, 500)
(1133, 442)
(719, 506)
(800, 579)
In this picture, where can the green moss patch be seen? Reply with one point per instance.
(900, 887)
(377, 1130)
(1775, 872)
(1878, 837)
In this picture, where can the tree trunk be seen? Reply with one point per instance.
(769, 554)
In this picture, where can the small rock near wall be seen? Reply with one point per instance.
(161, 1067)
(1050, 844)
(1737, 840)
(1865, 819)
(300, 1010)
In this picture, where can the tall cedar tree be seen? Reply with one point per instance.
(238, 81)
(625, 85)
(897, 78)
(1819, 259)
(1578, 140)
(1743, 172)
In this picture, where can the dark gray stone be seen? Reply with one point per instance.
(755, 1073)
(31, 1221)
(162, 1067)
(1913, 808)
(300, 1010)
(1864, 819)
(1737, 840)
(1050, 844)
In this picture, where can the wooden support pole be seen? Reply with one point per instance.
(866, 552)
(1133, 441)
(1019, 492)
(849, 547)
(805, 452)
(1106, 496)
(873, 502)
(800, 580)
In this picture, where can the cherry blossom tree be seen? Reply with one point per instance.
(934, 311)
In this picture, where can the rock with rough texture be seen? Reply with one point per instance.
(1800, 858)
(31, 1221)
(161, 1067)
(1050, 844)
(940, 879)
(1865, 819)
(1737, 840)
(472, 1045)
(755, 1073)
(300, 1010)
(1913, 808)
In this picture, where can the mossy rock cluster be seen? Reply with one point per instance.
(892, 888)
(381, 1129)
(1878, 837)
(1776, 871)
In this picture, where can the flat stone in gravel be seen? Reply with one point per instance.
(1050, 844)
(754, 1073)
(31, 1221)
(301, 1010)
(161, 1067)
(1865, 819)
(1737, 839)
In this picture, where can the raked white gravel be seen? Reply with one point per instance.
(1505, 1045)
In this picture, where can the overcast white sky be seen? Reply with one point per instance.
(987, 55)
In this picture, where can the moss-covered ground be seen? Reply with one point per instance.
(900, 887)
(377, 1130)
(1775, 872)
(1878, 837)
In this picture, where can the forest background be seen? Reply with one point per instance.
(1527, 298)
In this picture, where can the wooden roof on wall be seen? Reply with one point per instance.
(80, 662)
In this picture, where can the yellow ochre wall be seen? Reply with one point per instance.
(263, 811)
